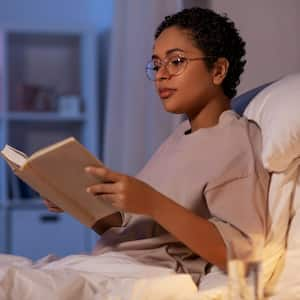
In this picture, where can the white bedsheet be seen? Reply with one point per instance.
(110, 276)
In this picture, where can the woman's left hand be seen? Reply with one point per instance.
(124, 192)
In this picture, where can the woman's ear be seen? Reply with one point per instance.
(220, 70)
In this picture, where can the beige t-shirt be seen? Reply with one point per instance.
(215, 172)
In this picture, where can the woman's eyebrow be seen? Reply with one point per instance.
(168, 52)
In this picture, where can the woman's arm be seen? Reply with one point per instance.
(132, 195)
(200, 235)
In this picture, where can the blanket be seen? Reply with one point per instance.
(110, 276)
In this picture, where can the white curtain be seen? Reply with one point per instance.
(135, 121)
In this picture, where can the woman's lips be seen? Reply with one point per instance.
(166, 93)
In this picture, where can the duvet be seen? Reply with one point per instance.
(110, 276)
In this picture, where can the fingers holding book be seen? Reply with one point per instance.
(126, 193)
(106, 175)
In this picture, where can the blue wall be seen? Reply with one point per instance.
(62, 14)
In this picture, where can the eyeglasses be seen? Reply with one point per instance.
(174, 65)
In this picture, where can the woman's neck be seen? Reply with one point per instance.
(209, 115)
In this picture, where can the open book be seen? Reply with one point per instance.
(57, 173)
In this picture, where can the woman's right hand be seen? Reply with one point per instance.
(52, 207)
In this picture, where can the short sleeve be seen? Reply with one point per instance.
(238, 209)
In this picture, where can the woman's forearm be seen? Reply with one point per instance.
(197, 233)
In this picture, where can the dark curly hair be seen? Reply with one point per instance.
(216, 36)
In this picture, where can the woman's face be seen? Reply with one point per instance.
(189, 91)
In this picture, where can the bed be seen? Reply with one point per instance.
(276, 108)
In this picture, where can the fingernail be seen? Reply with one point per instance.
(88, 190)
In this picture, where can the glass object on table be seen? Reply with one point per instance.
(245, 275)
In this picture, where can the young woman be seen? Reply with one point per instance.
(205, 187)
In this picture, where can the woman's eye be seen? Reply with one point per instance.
(156, 67)
(177, 61)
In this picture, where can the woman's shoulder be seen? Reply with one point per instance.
(245, 133)
(234, 127)
(239, 151)
(240, 141)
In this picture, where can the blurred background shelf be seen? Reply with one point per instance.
(43, 117)
(48, 91)
(22, 203)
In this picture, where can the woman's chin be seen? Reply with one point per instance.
(171, 108)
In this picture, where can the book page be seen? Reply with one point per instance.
(52, 147)
(15, 157)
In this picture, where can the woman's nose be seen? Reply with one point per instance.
(162, 73)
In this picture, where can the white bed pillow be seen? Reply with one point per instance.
(287, 280)
(276, 109)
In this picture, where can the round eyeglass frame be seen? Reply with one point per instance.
(166, 61)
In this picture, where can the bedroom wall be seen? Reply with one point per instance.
(56, 13)
(270, 28)
(64, 15)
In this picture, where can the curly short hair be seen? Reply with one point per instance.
(216, 36)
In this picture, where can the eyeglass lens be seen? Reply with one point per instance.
(174, 65)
